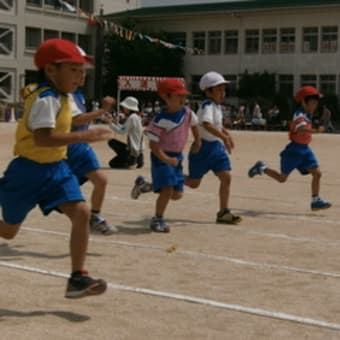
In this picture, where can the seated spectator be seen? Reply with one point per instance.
(326, 119)
(273, 116)
(128, 154)
(257, 119)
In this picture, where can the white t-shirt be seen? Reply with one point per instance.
(75, 110)
(133, 128)
(210, 112)
(44, 112)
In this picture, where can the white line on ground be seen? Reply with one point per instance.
(198, 255)
(192, 299)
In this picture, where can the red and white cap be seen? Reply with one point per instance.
(212, 79)
(306, 91)
(171, 86)
(60, 51)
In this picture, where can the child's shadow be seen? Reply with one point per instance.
(70, 316)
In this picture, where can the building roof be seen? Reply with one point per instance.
(222, 7)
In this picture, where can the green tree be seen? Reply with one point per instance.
(139, 58)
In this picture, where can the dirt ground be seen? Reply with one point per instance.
(282, 258)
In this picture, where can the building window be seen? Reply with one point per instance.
(231, 89)
(6, 40)
(214, 42)
(231, 42)
(329, 39)
(36, 3)
(50, 34)
(328, 84)
(33, 38)
(310, 39)
(6, 5)
(199, 40)
(69, 36)
(84, 42)
(252, 41)
(7, 85)
(269, 41)
(286, 84)
(287, 40)
(178, 38)
(309, 79)
(195, 80)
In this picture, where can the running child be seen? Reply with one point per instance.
(297, 154)
(168, 134)
(40, 174)
(215, 140)
(83, 161)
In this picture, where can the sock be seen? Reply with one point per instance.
(315, 198)
(224, 211)
(95, 212)
(146, 187)
(263, 167)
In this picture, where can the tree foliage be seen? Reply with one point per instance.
(139, 58)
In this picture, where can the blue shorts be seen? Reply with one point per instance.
(298, 156)
(82, 160)
(164, 175)
(211, 156)
(26, 183)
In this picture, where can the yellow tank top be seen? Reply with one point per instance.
(25, 145)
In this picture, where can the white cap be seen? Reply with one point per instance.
(130, 103)
(212, 79)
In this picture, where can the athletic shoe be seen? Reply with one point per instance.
(136, 190)
(158, 225)
(256, 169)
(226, 217)
(320, 205)
(98, 225)
(80, 285)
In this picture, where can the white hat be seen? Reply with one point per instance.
(212, 79)
(130, 103)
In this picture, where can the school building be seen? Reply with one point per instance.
(24, 24)
(298, 40)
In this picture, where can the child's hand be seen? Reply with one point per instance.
(107, 103)
(107, 118)
(173, 161)
(228, 143)
(195, 147)
(321, 129)
(96, 135)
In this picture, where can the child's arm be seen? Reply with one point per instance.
(197, 139)
(50, 138)
(85, 118)
(220, 134)
(160, 154)
(304, 129)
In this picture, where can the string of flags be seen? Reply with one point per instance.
(124, 33)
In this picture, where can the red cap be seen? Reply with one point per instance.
(59, 51)
(306, 91)
(172, 86)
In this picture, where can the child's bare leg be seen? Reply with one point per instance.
(99, 181)
(79, 214)
(192, 182)
(8, 231)
(316, 177)
(275, 175)
(176, 195)
(163, 200)
(224, 192)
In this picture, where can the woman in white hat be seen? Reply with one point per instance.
(130, 154)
